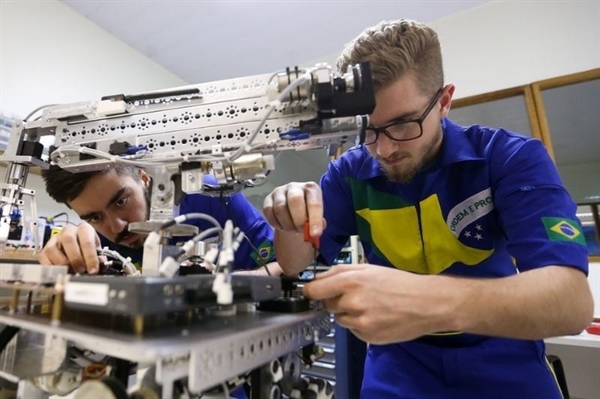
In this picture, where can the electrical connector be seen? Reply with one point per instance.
(152, 240)
(211, 255)
(222, 288)
(168, 267)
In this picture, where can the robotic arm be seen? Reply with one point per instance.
(224, 128)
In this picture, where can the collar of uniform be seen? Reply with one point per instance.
(456, 147)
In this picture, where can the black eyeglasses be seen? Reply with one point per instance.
(402, 130)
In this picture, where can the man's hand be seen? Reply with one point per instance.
(288, 207)
(383, 305)
(74, 246)
(378, 304)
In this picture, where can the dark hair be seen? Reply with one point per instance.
(394, 48)
(64, 186)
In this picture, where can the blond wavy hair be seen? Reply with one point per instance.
(394, 48)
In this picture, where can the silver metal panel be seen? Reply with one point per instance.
(224, 356)
(210, 352)
(31, 354)
(31, 273)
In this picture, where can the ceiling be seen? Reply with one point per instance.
(204, 41)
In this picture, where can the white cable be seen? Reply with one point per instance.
(225, 391)
(36, 110)
(222, 288)
(211, 257)
(128, 267)
(170, 264)
(196, 215)
(190, 244)
(61, 152)
(272, 106)
(206, 233)
(222, 283)
(238, 241)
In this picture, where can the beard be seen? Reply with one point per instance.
(137, 244)
(411, 164)
(402, 173)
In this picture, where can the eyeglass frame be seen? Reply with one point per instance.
(419, 121)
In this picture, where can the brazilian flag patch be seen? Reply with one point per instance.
(263, 253)
(561, 229)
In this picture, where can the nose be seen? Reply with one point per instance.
(385, 146)
(116, 224)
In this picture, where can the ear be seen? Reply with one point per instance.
(446, 99)
(145, 178)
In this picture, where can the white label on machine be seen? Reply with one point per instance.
(86, 293)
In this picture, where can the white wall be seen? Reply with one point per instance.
(51, 54)
(510, 43)
(582, 180)
(503, 44)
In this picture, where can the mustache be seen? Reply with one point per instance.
(122, 235)
(391, 158)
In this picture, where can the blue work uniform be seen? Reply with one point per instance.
(491, 205)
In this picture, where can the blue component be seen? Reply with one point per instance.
(15, 215)
(293, 135)
(135, 149)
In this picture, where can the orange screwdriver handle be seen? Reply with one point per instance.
(314, 241)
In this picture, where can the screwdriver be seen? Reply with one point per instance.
(314, 241)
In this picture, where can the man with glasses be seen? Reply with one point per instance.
(482, 253)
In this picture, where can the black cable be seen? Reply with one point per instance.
(121, 370)
(225, 201)
(264, 264)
